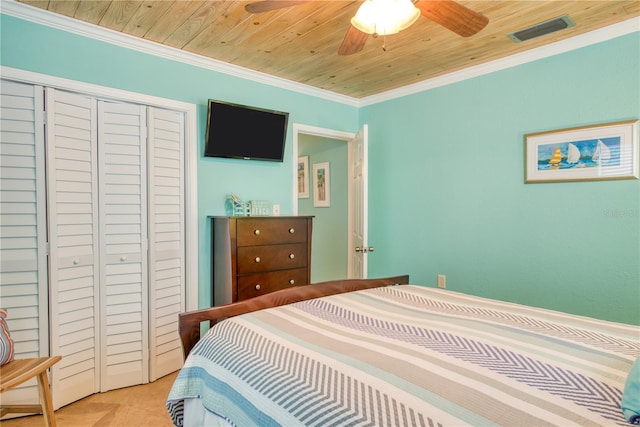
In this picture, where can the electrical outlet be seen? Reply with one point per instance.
(276, 210)
(442, 281)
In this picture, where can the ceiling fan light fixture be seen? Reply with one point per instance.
(385, 17)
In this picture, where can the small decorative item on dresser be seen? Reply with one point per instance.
(235, 206)
(259, 208)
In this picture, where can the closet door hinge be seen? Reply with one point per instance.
(47, 248)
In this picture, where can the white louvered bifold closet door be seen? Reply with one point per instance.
(166, 239)
(73, 238)
(23, 268)
(124, 295)
(106, 187)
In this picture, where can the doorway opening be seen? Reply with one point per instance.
(334, 222)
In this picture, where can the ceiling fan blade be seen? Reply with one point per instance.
(454, 16)
(353, 41)
(268, 5)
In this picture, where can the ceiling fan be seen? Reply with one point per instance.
(448, 13)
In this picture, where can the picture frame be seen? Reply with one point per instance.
(598, 152)
(303, 177)
(321, 185)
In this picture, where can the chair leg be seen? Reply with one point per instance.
(45, 399)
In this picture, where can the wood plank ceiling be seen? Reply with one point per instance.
(300, 42)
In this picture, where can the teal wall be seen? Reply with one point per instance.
(447, 193)
(330, 224)
(32, 47)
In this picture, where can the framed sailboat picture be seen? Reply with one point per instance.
(598, 152)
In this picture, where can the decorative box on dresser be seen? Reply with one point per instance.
(253, 255)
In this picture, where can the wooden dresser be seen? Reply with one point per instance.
(253, 256)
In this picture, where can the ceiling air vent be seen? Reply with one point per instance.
(542, 29)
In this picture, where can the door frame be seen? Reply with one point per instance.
(191, 154)
(347, 137)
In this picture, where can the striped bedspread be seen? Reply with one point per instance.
(409, 355)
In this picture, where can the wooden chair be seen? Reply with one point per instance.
(20, 370)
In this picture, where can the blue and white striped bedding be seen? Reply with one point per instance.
(409, 355)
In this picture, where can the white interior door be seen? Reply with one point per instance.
(124, 325)
(166, 239)
(358, 202)
(73, 238)
(23, 261)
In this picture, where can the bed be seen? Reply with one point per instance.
(384, 352)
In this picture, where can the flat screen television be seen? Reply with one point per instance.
(244, 132)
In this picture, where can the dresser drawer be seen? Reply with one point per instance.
(258, 284)
(256, 231)
(253, 259)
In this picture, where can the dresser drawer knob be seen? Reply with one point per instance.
(76, 261)
(257, 259)
(258, 287)
(292, 282)
(256, 231)
(292, 256)
(292, 230)
(123, 258)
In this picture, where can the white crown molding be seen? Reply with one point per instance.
(85, 29)
(94, 90)
(600, 35)
(39, 16)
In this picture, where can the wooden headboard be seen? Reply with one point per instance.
(190, 321)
